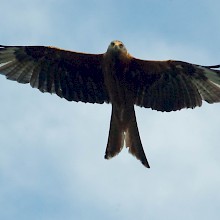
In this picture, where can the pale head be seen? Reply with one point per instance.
(117, 46)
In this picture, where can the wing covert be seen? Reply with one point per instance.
(71, 75)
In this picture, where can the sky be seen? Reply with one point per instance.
(52, 162)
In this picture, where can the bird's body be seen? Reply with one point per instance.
(123, 125)
(114, 77)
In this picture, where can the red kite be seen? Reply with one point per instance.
(114, 77)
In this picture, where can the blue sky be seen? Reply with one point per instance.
(52, 151)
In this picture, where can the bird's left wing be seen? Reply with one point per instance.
(71, 75)
(172, 85)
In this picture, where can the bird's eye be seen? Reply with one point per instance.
(112, 43)
(121, 45)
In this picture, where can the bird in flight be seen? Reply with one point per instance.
(113, 77)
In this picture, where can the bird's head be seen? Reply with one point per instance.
(117, 46)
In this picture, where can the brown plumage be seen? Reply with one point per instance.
(113, 77)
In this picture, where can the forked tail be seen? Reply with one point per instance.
(125, 131)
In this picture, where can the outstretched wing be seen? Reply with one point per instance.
(71, 75)
(173, 85)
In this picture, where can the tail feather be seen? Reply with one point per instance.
(125, 132)
(133, 142)
(116, 138)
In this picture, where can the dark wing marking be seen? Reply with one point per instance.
(71, 75)
(173, 85)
